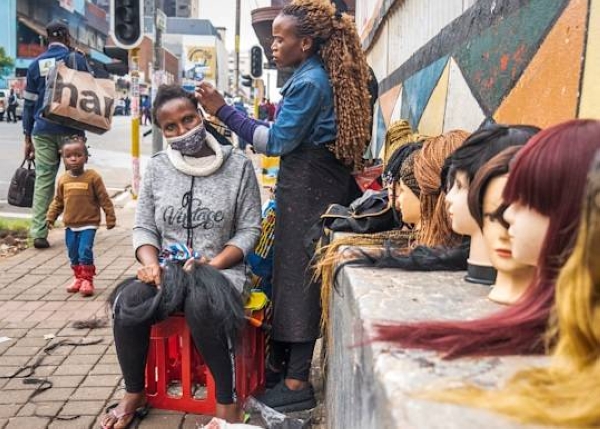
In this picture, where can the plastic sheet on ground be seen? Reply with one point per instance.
(271, 419)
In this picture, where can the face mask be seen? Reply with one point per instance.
(191, 142)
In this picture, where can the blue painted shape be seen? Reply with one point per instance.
(418, 88)
(378, 136)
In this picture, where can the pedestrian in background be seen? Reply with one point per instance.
(12, 106)
(43, 139)
(79, 196)
(320, 132)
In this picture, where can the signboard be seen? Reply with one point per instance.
(161, 20)
(200, 63)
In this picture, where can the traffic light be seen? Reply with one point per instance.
(127, 23)
(247, 80)
(121, 66)
(256, 62)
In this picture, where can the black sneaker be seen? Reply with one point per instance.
(41, 243)
(283, 399)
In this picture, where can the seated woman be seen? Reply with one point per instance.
(206, 196)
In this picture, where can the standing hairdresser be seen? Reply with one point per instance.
(320, 133)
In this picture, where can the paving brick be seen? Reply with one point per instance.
(15, 316)
(84, 408)
(98, 349)
(73, 369)
(14, 333)
(22, 351)
(17, 384)
(3, 423)
(45, 371)
(32, 342)
(53, 360)
(9, 410)
(13, 360)
(72, 332)
(61, 350)
(54, 394)
(105, 370)
(108, 359)
(39, 316)
(101, 380)
(27, 422)
(40, 330)
(14, 396)
(91, 393)
(81, 360)
(83, 422)
(42, 409)
(51, 306)
(194, 421)
(67, 380)
(51, 324)
(161, 421)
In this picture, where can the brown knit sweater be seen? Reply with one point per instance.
(79, 199)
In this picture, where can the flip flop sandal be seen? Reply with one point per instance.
(139, 413)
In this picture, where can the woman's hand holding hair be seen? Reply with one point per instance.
(209, 98)
(150, 271)
(192, 262)
(150, 274)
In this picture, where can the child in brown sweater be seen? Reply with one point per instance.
(79, 196)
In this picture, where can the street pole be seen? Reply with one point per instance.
(237, 46)
(157, 140)
(135, 122)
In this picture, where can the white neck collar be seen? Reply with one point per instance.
(198, 169)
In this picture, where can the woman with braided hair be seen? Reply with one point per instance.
(320, 133)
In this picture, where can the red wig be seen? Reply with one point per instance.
(548, 175)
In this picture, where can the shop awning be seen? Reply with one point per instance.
(100, 57)
(39, 29)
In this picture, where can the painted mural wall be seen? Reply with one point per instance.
(473, 61)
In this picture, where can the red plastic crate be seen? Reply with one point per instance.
(174, 364)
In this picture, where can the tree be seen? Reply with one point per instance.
(6, 62)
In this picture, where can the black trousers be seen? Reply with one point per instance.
(294, 359)
(132, 344)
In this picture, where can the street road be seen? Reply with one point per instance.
(110, 156)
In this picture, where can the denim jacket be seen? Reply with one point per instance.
(306, 116)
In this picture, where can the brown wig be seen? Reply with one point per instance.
(336, 41)
(435, 223)
(497, 166)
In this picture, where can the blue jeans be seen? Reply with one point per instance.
(80, 246)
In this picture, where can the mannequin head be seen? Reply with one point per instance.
(407, 190)
(465, 162)
(392, 175)
(548, 175)
(487, 208)
(429, 161)
(399, 134)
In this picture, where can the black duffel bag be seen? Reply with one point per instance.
(20, 191)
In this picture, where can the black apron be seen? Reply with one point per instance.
(310, 179)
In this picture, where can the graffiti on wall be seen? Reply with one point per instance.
(535, 62)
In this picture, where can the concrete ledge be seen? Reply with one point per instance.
(370, 386)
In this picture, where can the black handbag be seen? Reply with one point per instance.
(20, 191)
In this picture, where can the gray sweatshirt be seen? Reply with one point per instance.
(226, 209)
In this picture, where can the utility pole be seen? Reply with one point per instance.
(157, 139)
(237, 46)
(135, 121)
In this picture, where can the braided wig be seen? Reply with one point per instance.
(336, 41)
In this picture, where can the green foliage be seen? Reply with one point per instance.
(5, 62)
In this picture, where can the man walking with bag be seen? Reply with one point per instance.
(43, 139)
(11, 113)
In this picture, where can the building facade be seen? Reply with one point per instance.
(23, 31)
(463, 63)
(173, 8)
